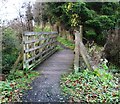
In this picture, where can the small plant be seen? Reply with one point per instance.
(104, 64)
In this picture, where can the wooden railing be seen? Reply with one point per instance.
(37, 47)
(80, 51)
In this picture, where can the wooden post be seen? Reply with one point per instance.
(83, 51)
(24, 54)
(76, 59)
(34, 37)
(80, 50)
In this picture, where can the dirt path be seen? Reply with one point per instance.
(46, 88)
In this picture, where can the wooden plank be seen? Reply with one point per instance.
(83, 51)
(24, 54)
(42, 59)
(39, 33)
(30, 59)
(48, 46)
(32, 49)
(77, 53)
(37, 40)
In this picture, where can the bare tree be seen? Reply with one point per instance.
(29, 17)
(37, 12)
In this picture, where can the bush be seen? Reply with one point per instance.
(90, 34)
(91, 86)
(11, 47)
(112, 47)
(99, 24)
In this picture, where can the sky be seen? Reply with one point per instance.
(9, 9)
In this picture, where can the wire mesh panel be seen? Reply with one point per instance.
(37, 47)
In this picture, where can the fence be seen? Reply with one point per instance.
(37, 47)
(80, 51)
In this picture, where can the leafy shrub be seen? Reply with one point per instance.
(100, 23)
(11, 47)
(91, 86)
(90, 33)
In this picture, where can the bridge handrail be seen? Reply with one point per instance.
(37, 47)
(80, 50)
(39, 33)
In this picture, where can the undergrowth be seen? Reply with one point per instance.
(91, 86)
(13, 88)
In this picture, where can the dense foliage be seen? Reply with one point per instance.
(95, 17)
(10, 49)
(91, 86)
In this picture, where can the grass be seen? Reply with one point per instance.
(39, 28)
(66, 42)
(59, 47)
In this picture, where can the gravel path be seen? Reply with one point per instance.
(46, 88)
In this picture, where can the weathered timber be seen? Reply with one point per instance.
(37, 47)
(30, 59)
(39, 33)
(42, 45)
(37, 40)
(83, 51)
(17, 61)
(80, 50)
(77, 52)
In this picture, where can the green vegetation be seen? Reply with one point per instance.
(99, 85)
(100, 22)
(18, 81)
(10, 49)
(59, 47)
(98, 17)
(66, 42)
(39, 28)
(91, 86)
(13, 88)
(113, 68)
